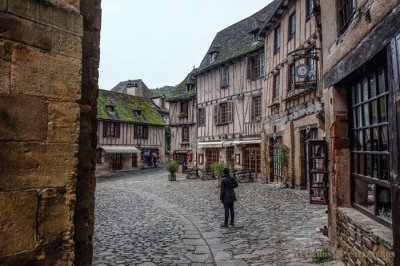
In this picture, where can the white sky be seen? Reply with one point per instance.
(159, 41)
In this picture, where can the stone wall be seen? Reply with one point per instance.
(361, 244)
(48, 86)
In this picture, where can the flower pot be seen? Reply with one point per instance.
(172, 177)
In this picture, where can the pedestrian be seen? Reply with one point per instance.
(228, 197)
(149, 159)
(155, 159)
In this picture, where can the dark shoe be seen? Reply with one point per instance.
(224, 226)
(232, 224)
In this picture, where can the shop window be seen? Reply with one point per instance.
(230, 156)
(212, 156)
(370, 145)
(111, 129)
(141, 132)
(252, 158)
(346, 11)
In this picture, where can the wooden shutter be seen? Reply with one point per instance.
(262, 65)
(105, 124)
(145, 132)
(229, 112)
(249, 67)
(117, 131)
(216, 114)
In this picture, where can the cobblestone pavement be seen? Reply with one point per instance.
(143, 219)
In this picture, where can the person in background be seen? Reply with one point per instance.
(228, 197)
(154, 159)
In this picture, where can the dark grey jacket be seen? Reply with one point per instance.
(228, 184)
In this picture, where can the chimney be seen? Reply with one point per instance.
(132, 88)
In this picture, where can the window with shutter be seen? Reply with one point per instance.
(202, 117)
(111, 129)
(229, 112)
(215, 115)
(249, 65)
(262, 63)
(224, 76)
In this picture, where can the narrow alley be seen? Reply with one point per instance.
(146, 220)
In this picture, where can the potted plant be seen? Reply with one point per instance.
(172, 167)
(218, 168)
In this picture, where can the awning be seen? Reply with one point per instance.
(210, 144)
(120, 149)
(242, 142)
(227, 143)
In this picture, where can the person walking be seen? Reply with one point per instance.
(228, 197)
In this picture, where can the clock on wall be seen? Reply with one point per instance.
(302, 71)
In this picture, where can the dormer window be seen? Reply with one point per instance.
(213, 56)
(189, 87)
(110, 108)
(137, 112)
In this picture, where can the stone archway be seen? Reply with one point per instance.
(49, 59)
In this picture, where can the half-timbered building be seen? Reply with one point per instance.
(230, 81)
(183, 117)
(129, 128)
(292, 96)
(361, 51)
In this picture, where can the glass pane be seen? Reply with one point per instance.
(360, 118)
(367, 140)
(375, 139)
(384, 203)
(383, 110)
(318, 178)
(355, 163)
(375, 163)
(372, 84)
(374, 112)
(384, 163)
(359, 93)
(355, 122)
(353, 140)
(354, 95)
(364, 195)
(382, 85)
(368, 165)
(366, 115)
(361, 164)
(360, 141)
(384, 139)
(365, 89)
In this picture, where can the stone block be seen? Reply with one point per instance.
(57, 254)
(34, 165)
(18, 222)
(22, 117)
(43, 74)
(5, 66)
(63, 123)
(67, 44)
(25, 31)
(47, 13)
(55, 222)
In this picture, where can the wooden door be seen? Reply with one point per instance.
(394, 138)
(212, 156)
(252, 158)
(134, 160)
(117, 161)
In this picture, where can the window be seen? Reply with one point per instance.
(184, 108)
(370, 145)
(223, 113)
(312, 64)
(111, 129)
(185, 134)
(230, 156)
(137, 113)
(202, 117)
(256, 108)
(110, 108)
(189, 87)
(224, 76)
(255, 66)
(346, 11)
(141, 132)
(252, 158)
(213, 56)
(277, 39)
(291, 76)
(292, 26)
(277, 167)
(277, 86)
(309, 8)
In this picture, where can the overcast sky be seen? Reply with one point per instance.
(159, 41)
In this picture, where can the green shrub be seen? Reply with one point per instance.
(321, 256)
(172, 167)
(218, 168)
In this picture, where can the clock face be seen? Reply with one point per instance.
(302, 71)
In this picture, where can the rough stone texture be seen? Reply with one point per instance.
(363, 241)
(47, 130)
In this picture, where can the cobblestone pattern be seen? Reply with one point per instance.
(146, 220)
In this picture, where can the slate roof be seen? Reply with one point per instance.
(124, 106)
(123, 85)
(181, 92)
(167, 91)
(238, 39)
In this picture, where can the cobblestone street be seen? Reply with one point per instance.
(143, 219)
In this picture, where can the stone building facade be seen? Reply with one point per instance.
(361, 46)
(292, 102)
(183, 123)
(49, 58)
